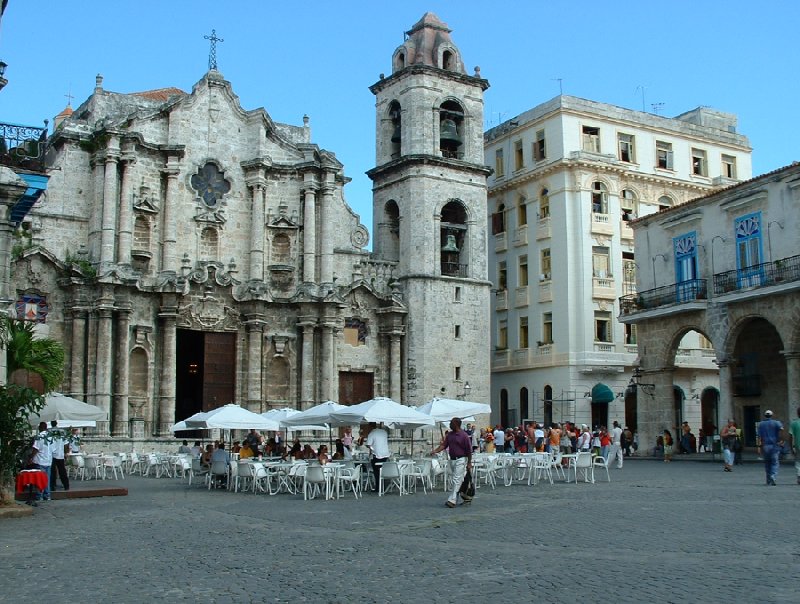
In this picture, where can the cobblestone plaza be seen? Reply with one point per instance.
(682, 532)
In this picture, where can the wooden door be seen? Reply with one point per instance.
(219, 369)
(355, 387)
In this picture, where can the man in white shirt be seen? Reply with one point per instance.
(499, 439)
(615, 452)
(59, 444)
(378, 443)
(42, 457)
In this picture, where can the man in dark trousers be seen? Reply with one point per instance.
(59, 447)
(459, 447)
(770, 442)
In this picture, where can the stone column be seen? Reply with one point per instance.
(327, 361)
(395, 378)
(166, 400)
(12, 188)
(125, 236)
(328, 228)
(96, 213)
(91, 357)
(110, 201)
(307, 366)
(309, 234)
(258, 190)
(104, 351)
(725, 409)
(168, 259)
(120, 426)
(255, 338)
(655, 411)
(792, 387)
(78, 354)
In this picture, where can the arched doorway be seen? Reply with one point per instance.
(504, 407)
(548, 405)
(709, 415)
(523, 405)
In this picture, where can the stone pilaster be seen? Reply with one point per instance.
(125, 236)
(166, 400)
(258, 193)
(327, 361)
(725, 408)
(78, 354)
(395, 377)
(655, 411)
(328, 224)
(121, 382)
(307, 365)
(255, 339)
(168, 256)
(792, 386)
(110, 202)
(309, 233)
(104, 352)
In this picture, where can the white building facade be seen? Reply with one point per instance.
(732, 274)
(569, 176)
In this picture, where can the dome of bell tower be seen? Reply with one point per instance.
(428, 43)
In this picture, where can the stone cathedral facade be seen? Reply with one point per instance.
(190, 253)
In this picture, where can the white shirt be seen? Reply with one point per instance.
(57, 445)
(378, 441)
(499, 438)
(44, 451)
(616, 435)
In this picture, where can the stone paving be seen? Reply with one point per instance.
(679, 532)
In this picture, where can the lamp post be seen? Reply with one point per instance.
(464, 395)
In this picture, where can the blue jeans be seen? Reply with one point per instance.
(727, 454)
(771, 455)
(46, 493)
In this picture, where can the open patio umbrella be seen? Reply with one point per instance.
(181, 425)
(445, 409)
(68, 411)
(232, 417)
(382, 410)
(281, 415)
(317, 415)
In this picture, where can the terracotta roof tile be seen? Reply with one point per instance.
(160, 94)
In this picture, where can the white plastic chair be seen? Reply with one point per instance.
(77, 466)
(219, 469)
(135, 464)
(350, 477)
(94, 467)
(420, 472)
(112, 464)
(197, 471)
(390, 472)
(233, 474)
(244, 477)
(601, 462)
(558, 466)
(540, 467)
(582, 463)
(315, 476)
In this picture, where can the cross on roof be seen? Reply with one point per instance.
(212, 54)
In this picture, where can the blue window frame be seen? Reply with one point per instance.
(685, 247)
(750, 271)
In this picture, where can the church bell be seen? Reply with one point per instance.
(450, 246)
(396, 133)
(448, 132)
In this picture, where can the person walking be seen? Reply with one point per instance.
(770, 441)
(794, 435)
(59, 446)
(459, 448)
(42, 458)
(729, 437)
(378, 443)
(616, 445)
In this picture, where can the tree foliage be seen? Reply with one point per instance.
(43, 356)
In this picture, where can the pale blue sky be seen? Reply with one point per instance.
(318, 58)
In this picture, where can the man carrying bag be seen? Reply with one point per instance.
(459, 447)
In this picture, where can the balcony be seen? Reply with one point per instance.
(603, 288)
(521, 236)
(668, 295)
(625, 230)
(500, 242)
(501, 300)
(502, 357)
(601, 224)
(545, 291)
(22, 147)
(778, 272)
(521, 297)
(543, 230)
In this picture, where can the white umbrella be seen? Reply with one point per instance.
(281, 415)
(181, 425)
(232, 417)
(445, 409)
(383, 410)
(316, 415)
(68, 411)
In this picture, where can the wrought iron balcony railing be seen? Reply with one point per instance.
(454, 269)
(765, 274)
(23, 146)
(667, 295)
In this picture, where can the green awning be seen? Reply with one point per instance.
(602, 394)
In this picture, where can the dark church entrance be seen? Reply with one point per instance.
(355, 387)
(205, 372)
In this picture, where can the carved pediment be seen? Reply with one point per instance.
(210, 216)
(144, 202)
(205, 312)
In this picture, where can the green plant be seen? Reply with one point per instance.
(42, 356)
(16, 404)
(86, 268)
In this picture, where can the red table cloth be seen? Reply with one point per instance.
(37, 478)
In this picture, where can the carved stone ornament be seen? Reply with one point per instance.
(359, 236)
(205, 312)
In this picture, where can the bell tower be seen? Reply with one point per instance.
(429, 211)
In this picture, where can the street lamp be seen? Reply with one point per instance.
(636, 382)
(464, 395)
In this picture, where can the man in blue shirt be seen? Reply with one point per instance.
(770, 442)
